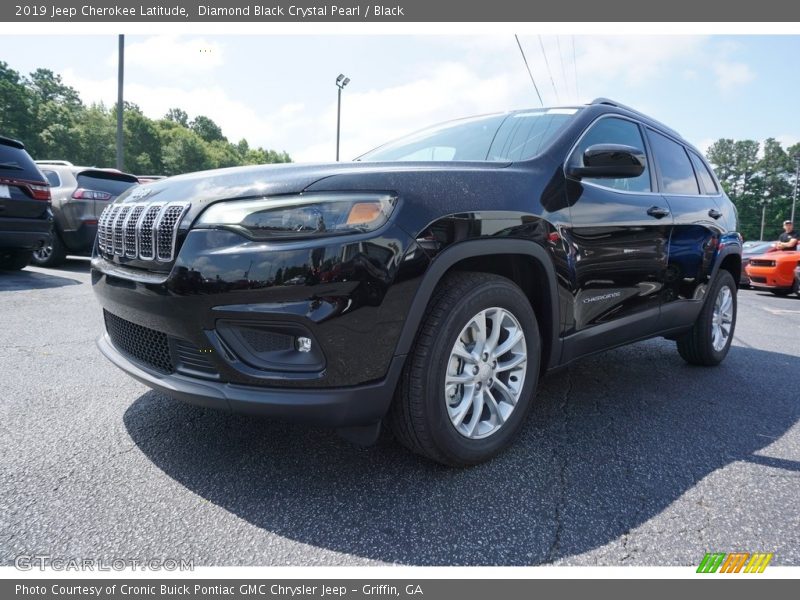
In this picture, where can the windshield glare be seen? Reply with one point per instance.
(505, 137)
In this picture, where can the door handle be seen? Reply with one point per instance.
(659, 212)
(714, 213)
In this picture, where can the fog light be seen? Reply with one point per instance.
(303, 344)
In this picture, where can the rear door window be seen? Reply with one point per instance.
(704, 175)
(677, 174)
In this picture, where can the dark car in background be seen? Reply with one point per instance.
(79, 195)
(25, 216)
(749, 250)
(426, 285)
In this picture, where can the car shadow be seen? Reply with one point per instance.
(28, 279)
(610, 443)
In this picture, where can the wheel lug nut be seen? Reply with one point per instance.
(485, 356)
(478, 385)
(494, 364)
(475, 370)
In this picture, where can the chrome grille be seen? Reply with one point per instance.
(143, 231)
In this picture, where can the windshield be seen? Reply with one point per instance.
(506, 137)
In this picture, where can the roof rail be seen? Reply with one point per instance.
(63, 163)
(609, 102)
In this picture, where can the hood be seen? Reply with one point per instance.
(204, 187)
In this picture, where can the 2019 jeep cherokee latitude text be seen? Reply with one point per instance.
(428, 284)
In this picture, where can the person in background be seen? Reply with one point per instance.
(789, 239)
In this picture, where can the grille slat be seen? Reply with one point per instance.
(131, 244)
(117, 229)
(143, 231)
(165, 231)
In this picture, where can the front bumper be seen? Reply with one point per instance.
(768, 278)
(333, 407)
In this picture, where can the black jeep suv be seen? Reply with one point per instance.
(429, 283)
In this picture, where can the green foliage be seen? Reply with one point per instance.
(50, 119)
(758, 178)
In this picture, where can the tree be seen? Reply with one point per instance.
(50, 118)
(176, 115)
(49, 87)
(755, 183)
(207, 129)
(142, 142)
(15, 103)
(96, 138)
(184, 151)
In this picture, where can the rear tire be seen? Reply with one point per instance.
(464, 392)
(708, 341)
(14, 260)
(52, 254)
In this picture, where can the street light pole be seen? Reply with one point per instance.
(341, 81)
(120, 73)
(796, 183)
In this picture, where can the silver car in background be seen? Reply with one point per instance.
(79, 195)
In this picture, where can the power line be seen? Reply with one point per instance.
(549, 72)
(525, 60)
(563, 69)
(575, 69)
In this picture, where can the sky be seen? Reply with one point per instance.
(278, 91)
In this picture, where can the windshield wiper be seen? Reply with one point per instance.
(11, 165)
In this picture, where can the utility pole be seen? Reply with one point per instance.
(120, 77)
(764, 203)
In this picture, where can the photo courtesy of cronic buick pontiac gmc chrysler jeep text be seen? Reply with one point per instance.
(427, 285)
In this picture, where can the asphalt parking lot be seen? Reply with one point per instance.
(631, 457)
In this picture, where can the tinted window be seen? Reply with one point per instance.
(52, 178)
(15, 162)
(103, 184)
(615, 131)
(507, 137)
(677, 175)
(524, 135)
(709, 185)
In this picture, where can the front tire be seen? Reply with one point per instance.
(470, 377)
(708, 341)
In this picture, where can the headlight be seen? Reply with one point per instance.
(304, 215)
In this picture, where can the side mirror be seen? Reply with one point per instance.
(612, 161)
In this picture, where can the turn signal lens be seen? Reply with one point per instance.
(364, 212)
